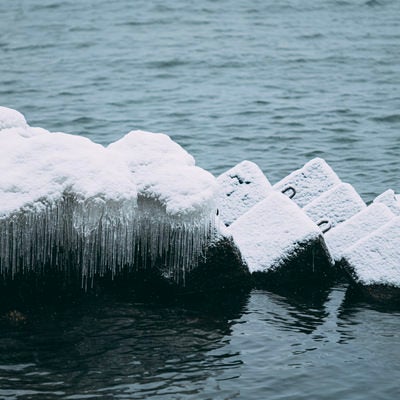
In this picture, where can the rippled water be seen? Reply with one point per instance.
(252, 346)
(275, 82)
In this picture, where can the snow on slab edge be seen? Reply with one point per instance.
(335, 205)
(271, 232)
(375, 259)
(355, 228)
(308, 182)
(240, 188)
(390, 199)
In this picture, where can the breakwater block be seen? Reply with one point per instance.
(72, 206)
(357, 227)
(222, 269)
(280, 244)
(374, 262)
(390, 199)
(241, 187)
(335, 206)
(308, 182)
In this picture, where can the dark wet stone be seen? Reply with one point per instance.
(310, 267)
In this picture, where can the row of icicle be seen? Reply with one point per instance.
(74, 236)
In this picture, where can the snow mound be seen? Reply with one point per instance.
(355, 228)
(391, 200)
(335, 206)
(10, 118)
(164, 171)
(41, 169)
(309, 182)
(65, 200)
(272, 231)
(240, 188)
(375, 259)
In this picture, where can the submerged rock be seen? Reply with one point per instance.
(280, 244)
(241, 187)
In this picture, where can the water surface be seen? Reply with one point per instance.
(277, 83)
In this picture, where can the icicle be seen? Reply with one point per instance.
(94, 236)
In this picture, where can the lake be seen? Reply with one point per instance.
(276, 83)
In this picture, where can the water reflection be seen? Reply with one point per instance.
(103, 347)
(238, 346)
(356, 310)
(302, 312)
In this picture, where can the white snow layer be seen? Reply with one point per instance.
(164, 171)
(10, 118)
(66, 200)
(335, 206)
(273, 231)
(391, 200)
(355, 228)
(240, 188)
(375, 259)
(309, 182)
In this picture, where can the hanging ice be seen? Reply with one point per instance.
(66, 202)
(176, 199)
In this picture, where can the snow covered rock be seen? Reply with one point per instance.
(165, 172)
(10, 118)
(309, 182)
(222, 267)
(66, 202)
(279, 241)
(391, 200)
(241, 187)
(374, 261)
(334, 206)
(355, 228)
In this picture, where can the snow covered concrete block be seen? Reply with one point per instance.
(222, 268)
(279, 242)
(374, 261)
(335, 206)
(355, 228)
(240, 188)
(391, 200)
(68, 203)
(308, 182)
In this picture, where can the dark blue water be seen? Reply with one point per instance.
(275, 82)
(257, 346)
